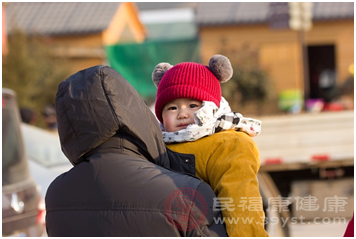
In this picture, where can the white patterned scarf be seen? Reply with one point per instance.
(210, 119)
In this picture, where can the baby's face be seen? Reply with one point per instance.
(178, 114)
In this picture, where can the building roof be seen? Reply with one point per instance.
(64, 18)
(333, 10)
(143, 6)
(213, 13)
(60, 18)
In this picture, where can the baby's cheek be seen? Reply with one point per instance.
(167, 124)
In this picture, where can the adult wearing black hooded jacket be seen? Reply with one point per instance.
(122, 182)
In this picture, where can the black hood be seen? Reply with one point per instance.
(94, 104)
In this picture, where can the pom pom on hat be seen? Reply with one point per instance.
(190, 80)
(159, 71)
(221, 68)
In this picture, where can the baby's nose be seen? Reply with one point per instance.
(183, 114)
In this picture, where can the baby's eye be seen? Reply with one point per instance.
(172, 108)
(193, 106)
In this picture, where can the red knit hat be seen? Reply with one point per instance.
(190, 80)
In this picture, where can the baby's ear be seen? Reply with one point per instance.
(159, 71)
(221, 67)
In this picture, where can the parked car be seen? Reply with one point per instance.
(22, 204)
(46, 159)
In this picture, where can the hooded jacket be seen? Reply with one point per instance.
(124, 182)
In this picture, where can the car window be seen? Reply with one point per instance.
(14, 161)
(43, 146)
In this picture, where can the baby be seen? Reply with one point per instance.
(190, 107)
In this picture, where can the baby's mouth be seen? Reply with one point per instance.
(183, 125)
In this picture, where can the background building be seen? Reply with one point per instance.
(134, 37)
(329, 44)
(78, 31)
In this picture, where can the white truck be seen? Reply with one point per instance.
(307, 172)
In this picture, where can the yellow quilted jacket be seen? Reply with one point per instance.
(229, 161)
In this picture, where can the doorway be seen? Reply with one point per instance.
(322, 72)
